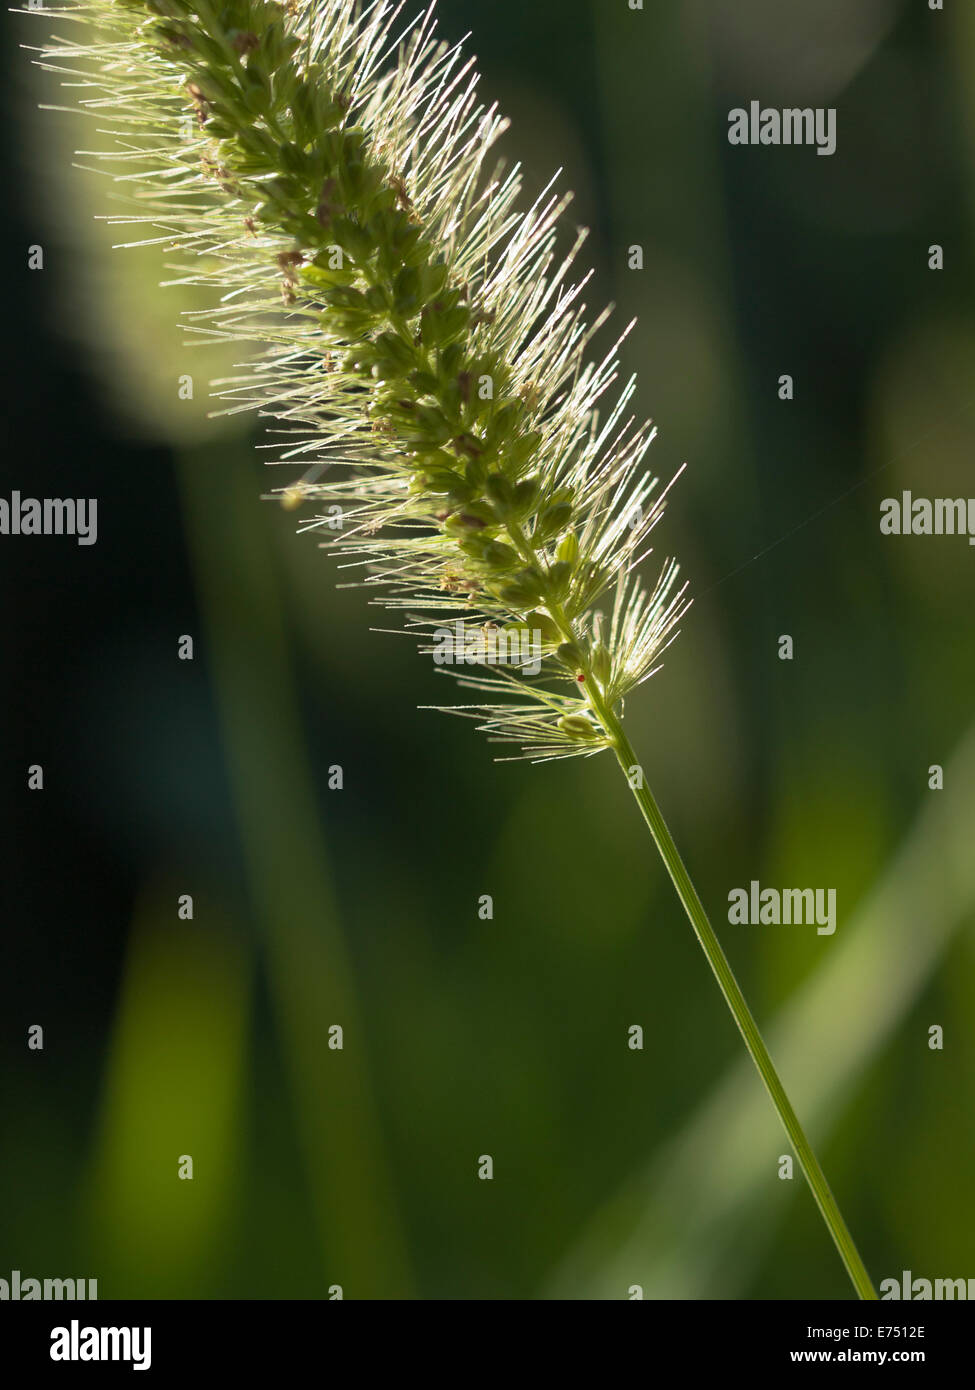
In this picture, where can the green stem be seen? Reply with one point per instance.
(717, 960)
(735, 1000)
(716, 957)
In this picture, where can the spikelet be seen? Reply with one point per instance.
(324, 169)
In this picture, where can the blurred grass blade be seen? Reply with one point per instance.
(286, 857)
(173, 1088)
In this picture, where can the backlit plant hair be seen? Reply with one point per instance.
(324, 168)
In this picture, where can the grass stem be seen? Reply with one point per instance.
(740, 1011)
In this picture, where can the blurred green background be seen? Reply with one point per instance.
(315, 1167)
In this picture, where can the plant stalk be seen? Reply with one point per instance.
(735, 1000)
(716, 957)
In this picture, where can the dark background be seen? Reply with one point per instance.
(359, 907)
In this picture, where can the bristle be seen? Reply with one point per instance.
(326, 170)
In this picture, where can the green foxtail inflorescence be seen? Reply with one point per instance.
(325, 170)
